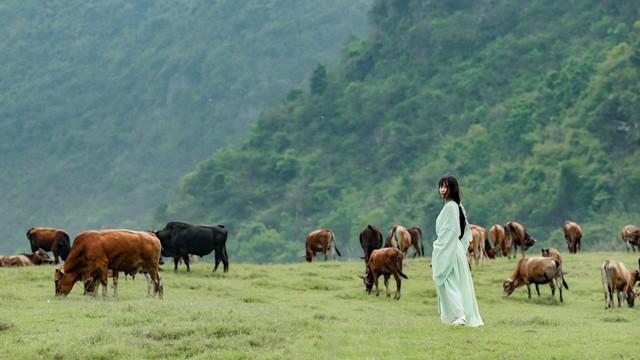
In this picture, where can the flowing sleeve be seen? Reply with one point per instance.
(447, 242)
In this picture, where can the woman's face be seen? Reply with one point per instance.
(443, 190)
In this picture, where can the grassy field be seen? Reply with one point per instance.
(311, 311)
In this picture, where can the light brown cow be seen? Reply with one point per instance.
(517, 235)
(616, 278)
(573, 236)
(49, 239)
(321, 240)
(386, 262)
(555, 254)
(39, 257)
(476, 246)
(535, 270)
(94, 253)
(630, 234)
(497, 236)
(399, 238)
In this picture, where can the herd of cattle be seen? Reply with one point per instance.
(502, 241)
(96, 255)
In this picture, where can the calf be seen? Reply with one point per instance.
(497, 236)
(517, 235)
(38, 257)
(386, 262)
(573, 236)
(535, 270)
(321, 240)
(617, 278)
(630, 234)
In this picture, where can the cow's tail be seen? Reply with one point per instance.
(333, 245)
(559, 267)
(394, 238)
(402, 274)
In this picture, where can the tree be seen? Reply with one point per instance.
(318, 80)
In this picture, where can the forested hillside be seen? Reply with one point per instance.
(533, 105)
(106, 104)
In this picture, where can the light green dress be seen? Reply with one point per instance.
(451, 274)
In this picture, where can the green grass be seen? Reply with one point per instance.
(311, 311)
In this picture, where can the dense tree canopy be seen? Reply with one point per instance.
(532, 105)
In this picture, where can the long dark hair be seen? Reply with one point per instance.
(453, 193)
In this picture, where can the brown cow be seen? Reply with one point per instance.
(94, 253)
(573, 236)
(416, 240)
(617, 278)
(399, 238)
(630, 234)
(37, 258)
(386, 262)
(370, 239)
(517, 235)
(476, 245)
(498, 239)
(489, 250)
(321, 240)
(49, 239)
(535, 270)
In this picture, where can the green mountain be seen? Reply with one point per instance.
(533, 105)
(106, 104)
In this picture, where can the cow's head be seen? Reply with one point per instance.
(631, 297)
(63, 282)
(41, 257)
(368, 281)
(529, 241)
(508, 286)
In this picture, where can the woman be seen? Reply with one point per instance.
(456, 297)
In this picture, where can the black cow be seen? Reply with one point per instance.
(181, 239)
(370, 239)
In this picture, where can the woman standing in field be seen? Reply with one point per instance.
(456, 297)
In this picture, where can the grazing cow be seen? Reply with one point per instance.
(321, 240)
(50, 239)
(181, 239)
(416, 240)
(399, 238)
(630, 234)
(386, 262)
(498, 239)
(37, 258)
(370, 239)
(476, 245)
(489, 250)
(573, 236)
(517, 235)
(94, 253)
(535, 270)
(616, 278)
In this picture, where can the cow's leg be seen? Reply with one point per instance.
(157, 283)
(186, 262)
(386, 285)
(619, 298)
(176, 259)
(559, 284)
(115, 283)
(103, 275)
(375, 282)
(225, 259)
(398, 284)
(537, 290)
(56, 260)
(149, 285)
(529, 290)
